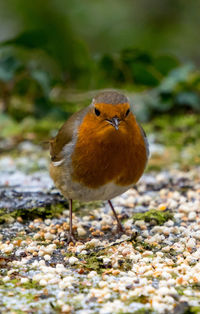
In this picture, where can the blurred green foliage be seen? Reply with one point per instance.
(165, 86)
(136, 68)
(178, 92)
(49, 48)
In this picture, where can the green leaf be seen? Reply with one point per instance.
(144, 75)
(175, 76)
(29, 39)
(164, 64)
(131, 55)
(43, 79)
(189, 99)
(9, 65)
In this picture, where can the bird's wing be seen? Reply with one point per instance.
(145, 140)
(65, 134)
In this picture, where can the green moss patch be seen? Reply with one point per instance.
(192, 310)
(92, 262)
(143, 311)
(160, 217)
(140, 299)
(31, 213)
(31, 285)
(89, 262)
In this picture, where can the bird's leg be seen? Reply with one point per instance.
(119, 225)
(71, 237)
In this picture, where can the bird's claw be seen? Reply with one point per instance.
(70, 238)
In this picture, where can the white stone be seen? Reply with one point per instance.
(66, 308)
(191, 243)
(184, 208)
(49, 236)
(106, 260)
(192, 216)
(6, 278)
(81, 231)
(47, 257)
(43, 282)
(73, 260)
(92, 274)
(164, 291)
(24, 280)
(139, 223)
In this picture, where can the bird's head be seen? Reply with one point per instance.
(111, 109)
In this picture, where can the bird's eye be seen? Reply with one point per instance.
(97, 112)
(127, 112)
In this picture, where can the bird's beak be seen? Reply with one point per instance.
(114, 122)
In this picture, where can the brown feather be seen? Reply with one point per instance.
(65, 134)
(107, 155)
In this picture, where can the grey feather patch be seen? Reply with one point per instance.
(110, 97)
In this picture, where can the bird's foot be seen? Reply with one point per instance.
(120, 229)
(71, 238)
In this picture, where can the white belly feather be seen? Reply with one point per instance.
(77, 191)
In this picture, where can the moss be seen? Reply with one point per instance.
(29, 297)
(143, 311)
(154, 215)
(192, 310)
(92, 262)
(69, 254)
(174, 275)
(195, 286)
(32, 213)
(6, 218)
(144, 246)
(140, 311)
(180, 290)
(49, 211)
(16, 282)
(125, 264)
(172, 252)
(2, 284)
(140, 299)
(31, 285)
(8, 284)
(54, 210)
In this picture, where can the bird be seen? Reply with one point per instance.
(99, 153)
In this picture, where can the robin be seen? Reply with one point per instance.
(99, 152)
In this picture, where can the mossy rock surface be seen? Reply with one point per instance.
(49, 211)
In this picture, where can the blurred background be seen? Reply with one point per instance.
(55, 55)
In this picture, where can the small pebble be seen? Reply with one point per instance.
(47, 257)
(192, 216)
(24, 280)
(191, 243)
(73, 260)
(81, 232)
(43, 282)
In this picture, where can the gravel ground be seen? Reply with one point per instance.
(154, 267)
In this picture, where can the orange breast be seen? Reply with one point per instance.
(103, 154)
